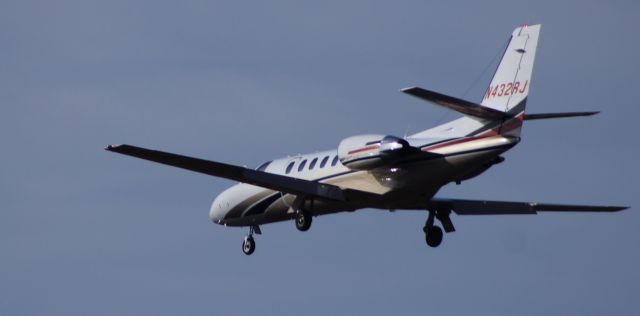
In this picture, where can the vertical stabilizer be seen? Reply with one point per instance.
(512, 80)
(511, 83)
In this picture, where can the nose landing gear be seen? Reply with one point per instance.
(248, 244)
(433, 234)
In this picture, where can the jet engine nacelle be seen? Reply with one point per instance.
(366, 152)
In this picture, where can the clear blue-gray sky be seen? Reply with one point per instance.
(87, 232)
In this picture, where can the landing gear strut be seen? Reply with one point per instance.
(248, 244)
(432, 233)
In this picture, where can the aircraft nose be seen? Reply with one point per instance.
(219, 208)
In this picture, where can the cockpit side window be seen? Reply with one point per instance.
(263, 166)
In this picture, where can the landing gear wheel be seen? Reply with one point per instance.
(303, 221)
(248, 245)
(433, 236)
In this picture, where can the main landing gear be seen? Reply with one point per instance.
(432, 233)
(303, 220)
(248, 244)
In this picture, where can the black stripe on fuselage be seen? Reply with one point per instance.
(262, 206)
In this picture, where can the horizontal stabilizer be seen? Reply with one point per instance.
(542, 116)
(459, 105)
(479, 207)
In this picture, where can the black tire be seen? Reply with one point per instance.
(303, 221)
(433, 236)
(248, 245)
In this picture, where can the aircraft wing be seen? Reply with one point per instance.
(480, 207)
(242, 174)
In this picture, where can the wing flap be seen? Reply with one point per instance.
(241, 174)
(480, 207)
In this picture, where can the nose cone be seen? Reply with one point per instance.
(232, 198)
(219, 208)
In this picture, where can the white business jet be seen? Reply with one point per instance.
(389, 172)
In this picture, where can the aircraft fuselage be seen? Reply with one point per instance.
(417, 182)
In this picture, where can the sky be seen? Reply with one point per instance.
(84, 231)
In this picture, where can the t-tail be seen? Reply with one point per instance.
(502, 110)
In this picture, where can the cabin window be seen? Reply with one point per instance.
(313, 163)
(301, 166)
(290, 166)
(335, 161)
(324, 161)
(263, 166)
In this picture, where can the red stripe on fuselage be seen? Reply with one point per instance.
(508, 126)
(459, 141)
(363, 149)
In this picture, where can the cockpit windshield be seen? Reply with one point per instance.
(263, 166)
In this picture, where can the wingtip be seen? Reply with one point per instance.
(616, 208)
(112, 147)
(408, 89)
